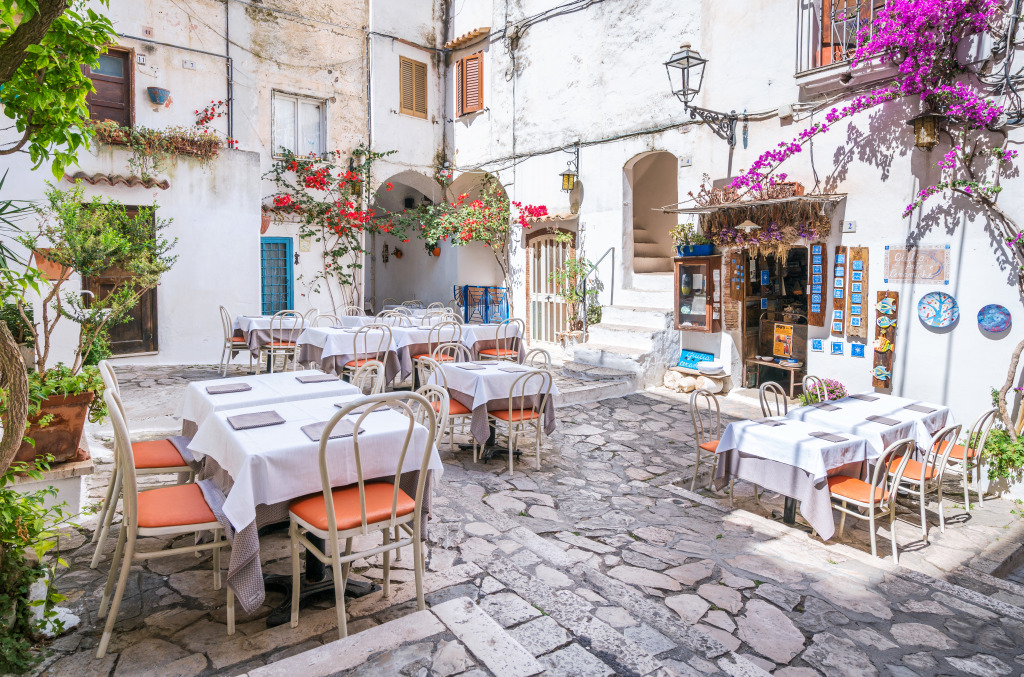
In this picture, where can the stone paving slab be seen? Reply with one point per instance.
(636, 576)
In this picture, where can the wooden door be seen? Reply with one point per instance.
(139, 333)
(112, 78)
(548, 311)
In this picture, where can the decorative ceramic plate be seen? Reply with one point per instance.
(938, 309)
(994, 318)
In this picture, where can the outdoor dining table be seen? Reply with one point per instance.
(881, 419)
(479, 337)
(250, 476)
(485, 386)
(203, 398)
(331, 349)
(255, 329)
(414, 312)
(794, 459)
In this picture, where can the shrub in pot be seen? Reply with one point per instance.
(90, 238)
(690, 241)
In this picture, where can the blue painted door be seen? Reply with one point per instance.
(276, 274)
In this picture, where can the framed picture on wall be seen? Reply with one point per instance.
(816, 270)
(817, 345)
(857, 349)
(837, 327)
(764, 303)
(815, 298)
(857, 275)
(855, 298)
(855, 288)
(837, 348)
(837, 315)
(816, 259)
(857, 265)
(854, 321)
(816, 279)
(837, 293)
(840, 259)
(854, 310)
(840, 271)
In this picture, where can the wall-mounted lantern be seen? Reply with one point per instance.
(571, 172)
(686, 75)
(926, 129)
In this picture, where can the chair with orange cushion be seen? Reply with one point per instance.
(232, 344)
(154, 457)
(369, 377)
(924, 478)
(162, 512)
(372, 342)
(439, 334)
(964, 458)
(877, 497)
(524, 412)
(506, 341)
(285, 327)
(457, 413)
(706, 417)
(342, 513)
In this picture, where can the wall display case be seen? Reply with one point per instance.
(698, 298)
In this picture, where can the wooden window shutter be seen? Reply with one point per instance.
(460, 94)
(412, 78)
(473, 96)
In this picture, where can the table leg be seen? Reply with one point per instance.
(789, 512)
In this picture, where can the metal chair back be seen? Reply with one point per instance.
(414, 303)
(706, 416)
(369, 377)
(227, 323)
(444, 332)
(936, 457)
(773, 399)
(523, 397)
(882, 477)
(432, 373)
(286, 325)
(451, 352)
(326, 320)
(439, 401)
(353, 311)
(372, 341)
(815, 386)
(538, 358)
(436, 305)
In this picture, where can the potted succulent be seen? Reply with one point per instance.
(90, 238)
(690, 241)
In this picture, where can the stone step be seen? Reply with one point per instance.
(639, 338)
(611, 356)
(651, 249)
(643, 236)
(581, 391)
(654, 281)
(650, 264)
(637, 316)
(590, 372)
(644, 298)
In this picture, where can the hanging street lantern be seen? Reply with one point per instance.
(571, 172)
(686, 76)
(926, 129)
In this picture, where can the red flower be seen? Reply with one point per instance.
(282, 200)
(388, 186)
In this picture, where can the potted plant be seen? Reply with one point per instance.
(568, 281)
(690, 241)
(90, 238)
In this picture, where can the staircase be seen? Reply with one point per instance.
(635, 337)
(649, 254)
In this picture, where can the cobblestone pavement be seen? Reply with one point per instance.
(599, 563)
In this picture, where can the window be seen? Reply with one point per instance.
(298, 124)
(469, 84)
(112, 78)
(833, 29)
(412, 77)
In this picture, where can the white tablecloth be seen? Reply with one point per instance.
(851, 417)
(793, 445)
(255, 330)
(414, 312)
(356, 321)
(278, 463)
(266, 389)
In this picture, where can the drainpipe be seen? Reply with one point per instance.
(230, 70)
(369, 147)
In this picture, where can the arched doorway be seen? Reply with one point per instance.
(652, 180)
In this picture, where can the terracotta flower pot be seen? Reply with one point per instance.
(264, 222)
(53, 271)
(437, 251)
(61, 437)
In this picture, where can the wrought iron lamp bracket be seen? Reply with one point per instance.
(723, 124)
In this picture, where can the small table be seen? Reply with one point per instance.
(793, 372)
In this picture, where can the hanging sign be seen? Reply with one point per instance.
(857, 299)
(817, 306)
(923, 264)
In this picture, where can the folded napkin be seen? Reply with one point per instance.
(920, 408)
(883, 420)
(866, 398)
(316, 378)
(825, 406)
(258, 419)
(345, 428)
(228, 388)
(469, 365)
(769, 422)
(514, 370)
(828, 437)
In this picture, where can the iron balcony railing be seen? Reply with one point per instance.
(829, 31)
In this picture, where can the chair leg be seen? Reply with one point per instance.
(223, 364)
(398, 551)
(924, 517)
(104, 508)
(112, 574)
(757, 498)
(871, 528)
(511, 447)
(231, 611)
(387, 563)
(732, 493)
(293, 535)
(538, 445)
(417, 559)
(107, 520)
(892, 534)
(216, 559)
(696, 471)
(942, 516)
(122, 582)
(339, 590)
(967, 488)
(842, 520)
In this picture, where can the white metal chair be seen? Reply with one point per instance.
(353, 310)
(388, 301)
(815, 386)
(925, 478)
(773, 399)
(414, 303)
(877, 497)
(444, 332)
(457, 413)
(538, 358)
(506, 342)
(369, 377)
(524, 412)
(394, 318)
(337, 514)
(706, 417)
(232, 344)
(372, 342)
(326, 320)
(154, 457)
(310, 315)
(963, 458)
(439, 400)
(162, 512)
(285, 327)
(436, 305)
